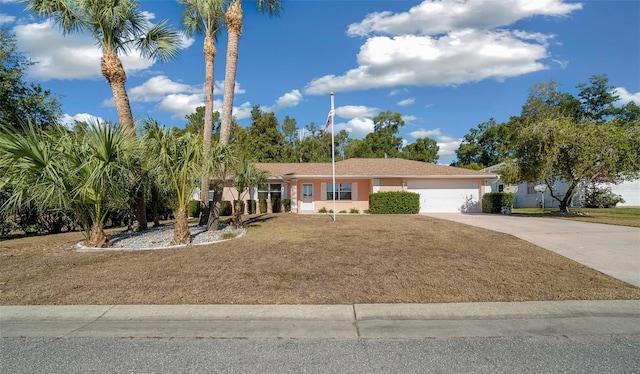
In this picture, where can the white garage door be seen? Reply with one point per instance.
(446, 196)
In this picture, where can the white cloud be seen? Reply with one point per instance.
(447, 144)
(626, 96)
(72, 56)
(69, 121)
(357, 128)
(158, 87)
(446, 42)
(409, 118)
(436, 17)
(398, 91)
(288, 100)
(408, 101)
(460, 57)
(354, 111)
(180, 105)
(5, 18)
(218, 88)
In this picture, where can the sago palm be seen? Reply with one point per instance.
(245, 176)
(178, 161)
(78, 172)
(205, 17)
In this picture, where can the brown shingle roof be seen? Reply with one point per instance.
(369, 167)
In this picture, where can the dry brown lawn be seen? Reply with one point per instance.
(306, 259)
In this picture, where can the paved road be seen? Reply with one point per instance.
(613, 250)
(571, 354)
(522, 337)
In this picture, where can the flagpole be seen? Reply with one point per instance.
(333, 161)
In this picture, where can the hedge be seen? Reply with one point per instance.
(193, 209)
(492, 202)
(394, 202)
(225, 208)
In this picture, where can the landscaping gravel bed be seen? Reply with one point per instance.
(160, 237)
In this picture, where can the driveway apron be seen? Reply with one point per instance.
(610, 249)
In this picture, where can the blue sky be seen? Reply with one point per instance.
(445, 65)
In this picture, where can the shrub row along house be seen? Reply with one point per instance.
(309, 186)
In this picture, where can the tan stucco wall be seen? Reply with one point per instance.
(362, 202)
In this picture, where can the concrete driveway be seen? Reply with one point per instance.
(613, 250)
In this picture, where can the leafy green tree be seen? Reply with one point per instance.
(598, 98)
(21, 101)
(382, 142)
(81, 172)
(486, 145)
(265, 141)
(551, 145)
(424, 149)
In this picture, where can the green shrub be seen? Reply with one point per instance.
(263, 205)
(342, 211)
(596, 197)
(275, 205)
(394, 202)
(492, 202)
(193, 208)
(323, 210)
(287, 205)
(225, 208)
(354, 210)
(252, 206)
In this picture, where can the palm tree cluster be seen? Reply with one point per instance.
(90, 171)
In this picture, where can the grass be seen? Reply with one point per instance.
(306, 259)
(611, 216)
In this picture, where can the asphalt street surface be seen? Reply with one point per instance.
(542, 354)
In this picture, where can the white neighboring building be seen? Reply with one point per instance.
(526, 195)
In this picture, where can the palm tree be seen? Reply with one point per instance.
(206, 17)
(77, 172)
(116, 26)
(233, 19)
(178, 161)
(245, 176)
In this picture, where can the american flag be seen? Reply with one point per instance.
(326, 125)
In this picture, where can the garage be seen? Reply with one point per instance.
(446, 196)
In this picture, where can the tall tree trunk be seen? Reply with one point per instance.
(181, 234)
(113, 71)
(214, 212)
(209, 56)
(234, 27)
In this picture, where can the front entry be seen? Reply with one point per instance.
(307, 197)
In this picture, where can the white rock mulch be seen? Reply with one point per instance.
(160, 238)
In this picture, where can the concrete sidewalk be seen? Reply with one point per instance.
(360, 321)
(610, 249)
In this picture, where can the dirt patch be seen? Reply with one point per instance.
(306, 259)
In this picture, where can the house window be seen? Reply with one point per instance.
(531, 188)
(501, 188)
(342, 192)
(268, 191)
